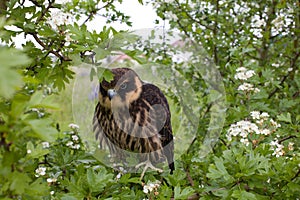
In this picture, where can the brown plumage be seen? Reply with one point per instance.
(133, 116)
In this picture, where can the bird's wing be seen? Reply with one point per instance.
(156, 104)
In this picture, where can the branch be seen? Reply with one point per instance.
(94, 12)
(287, 138)
(3, 7)
(191, 18)
(296, 175)
(45, 47)
(294, 67)
(44, 11)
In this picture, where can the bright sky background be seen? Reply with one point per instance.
(142, 17)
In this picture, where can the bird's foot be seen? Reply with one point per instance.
(147, 164)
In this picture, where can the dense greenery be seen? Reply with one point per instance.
(235, 99)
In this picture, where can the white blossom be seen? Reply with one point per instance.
(244, 141)
(276, 65)
(265, 132)
(248, 88)
(243, 129)
(58, 18)
(243, 73)
(170, 15)
(69, 143)
(119, 176)
(278, 23)
(29, 151)
(277, 148)
(264, 115)
(73, 126)
(45, 145)
(41, 171)
(51, 180)
(255, 114)
(76, 146)
(151, 187)
(259, 23)
(168, 1)
(75, 137)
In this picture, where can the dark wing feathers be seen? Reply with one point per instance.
(155, 98)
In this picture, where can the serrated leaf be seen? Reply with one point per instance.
(38, 188)
(108, 75)
(285, 117)
(243, 195)
(182, 194)
(38, 100)
(43, 129)
(19, 182)
(98, 180)
(37, 152)
(10, 79)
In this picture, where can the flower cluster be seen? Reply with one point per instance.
(151, 187)
(261, 125)
(74, 143)
(277, 148)
(248, 87)
(58, 18)
(244, 74)
(74, 126)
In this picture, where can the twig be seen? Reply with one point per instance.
(294, 67)
(287, 138)
(44, 11)
(296, 175)
(94, 12)
(191, 181)
(45, 47)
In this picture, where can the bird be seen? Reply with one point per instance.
(133, 117)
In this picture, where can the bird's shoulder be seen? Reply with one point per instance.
(153, 95)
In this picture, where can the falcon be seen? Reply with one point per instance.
(133, 117)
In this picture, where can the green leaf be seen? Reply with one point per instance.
(38, 188)
(19, 182)
(285, 117)
(39, 100)
(43, 129)
(243, 195)
(98, 180)
(37, 152)
(182, 194)
(218, 171)
(10, 78)
(108, 75)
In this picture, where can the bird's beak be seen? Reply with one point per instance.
(111, 93)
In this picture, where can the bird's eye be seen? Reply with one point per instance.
(123, 86)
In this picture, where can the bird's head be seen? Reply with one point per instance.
(125, 88)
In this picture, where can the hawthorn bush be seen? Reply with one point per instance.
(236, 96)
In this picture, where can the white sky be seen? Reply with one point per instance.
(141, 16)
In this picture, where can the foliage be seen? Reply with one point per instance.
(255, 49)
